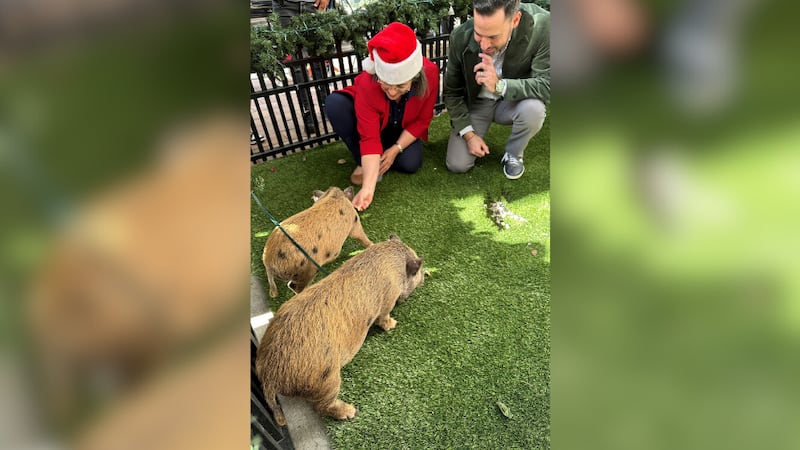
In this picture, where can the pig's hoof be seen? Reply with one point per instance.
(388, 324)
(347, 411)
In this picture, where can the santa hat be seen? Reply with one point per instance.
(395, 54)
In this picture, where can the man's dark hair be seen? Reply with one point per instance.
(488, 7)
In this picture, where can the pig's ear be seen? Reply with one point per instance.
(348, 192)
(393, 237)
(413, 265)
(317, 195)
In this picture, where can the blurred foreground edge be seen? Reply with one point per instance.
(135, 310)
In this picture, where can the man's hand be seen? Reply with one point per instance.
(476, 145)
(321, 5)
(485, 73)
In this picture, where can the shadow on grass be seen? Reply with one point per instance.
(476, 333)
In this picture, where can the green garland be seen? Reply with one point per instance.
(319, 32)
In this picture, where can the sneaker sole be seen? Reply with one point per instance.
(513, 177)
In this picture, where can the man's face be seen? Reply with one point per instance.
(493, 32)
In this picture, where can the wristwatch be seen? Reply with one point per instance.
(499, 86)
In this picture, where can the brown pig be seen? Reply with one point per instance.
(320, 230)
(314, 334)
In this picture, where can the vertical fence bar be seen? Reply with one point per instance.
(275, 127)
(264, 130)
(256, 135)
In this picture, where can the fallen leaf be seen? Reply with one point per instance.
(504, 409)
(534, 252)
(272, 169)
(341, 161)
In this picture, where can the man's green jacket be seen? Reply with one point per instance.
(526, 66)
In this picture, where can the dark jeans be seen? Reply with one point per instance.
(341, 112)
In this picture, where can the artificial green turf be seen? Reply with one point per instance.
(476, 332)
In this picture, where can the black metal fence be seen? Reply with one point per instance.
(287, 116)
(265, 434)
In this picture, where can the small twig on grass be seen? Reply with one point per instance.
(505, 409)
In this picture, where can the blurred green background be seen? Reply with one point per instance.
(675, 187)
(92, 94)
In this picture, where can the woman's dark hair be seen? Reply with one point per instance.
(420, 84)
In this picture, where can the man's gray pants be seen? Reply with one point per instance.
(525, 117)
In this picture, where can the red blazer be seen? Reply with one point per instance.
(372, 108)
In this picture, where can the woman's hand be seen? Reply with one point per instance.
(371, 165)
(363, 199)
(387, 158)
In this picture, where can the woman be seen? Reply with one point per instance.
(388, 109)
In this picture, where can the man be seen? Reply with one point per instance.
(498, 70)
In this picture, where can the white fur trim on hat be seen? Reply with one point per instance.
(396, 73)
(369, 65)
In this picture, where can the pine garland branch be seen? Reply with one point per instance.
(319, 32)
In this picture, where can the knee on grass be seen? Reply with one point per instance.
(458, 168)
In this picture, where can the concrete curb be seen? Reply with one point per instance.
(305, 425)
